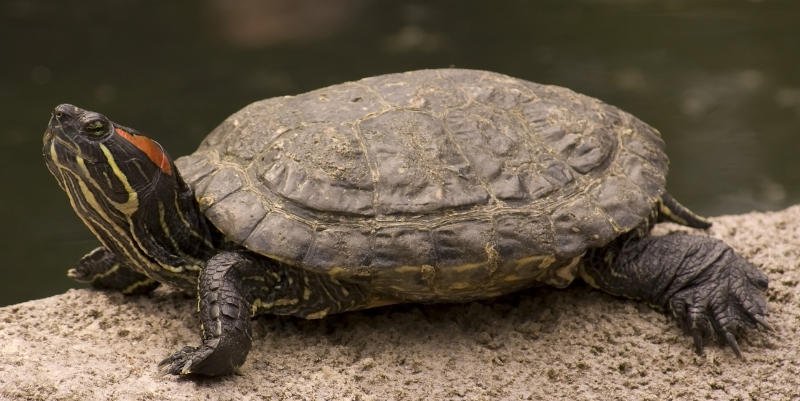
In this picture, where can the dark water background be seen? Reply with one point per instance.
(720, 79)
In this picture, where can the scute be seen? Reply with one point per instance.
(281, 237)
(434, 181)
(418, 168)
(320, 167)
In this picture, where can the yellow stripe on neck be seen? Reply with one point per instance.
(132, 204)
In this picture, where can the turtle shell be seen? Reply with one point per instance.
(432, 184)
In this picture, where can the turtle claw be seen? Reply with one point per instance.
(697, 337)
(185, 361)
(721, 302)
(762, 323)
(731, 340)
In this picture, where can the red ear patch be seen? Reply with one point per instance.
(152, 149)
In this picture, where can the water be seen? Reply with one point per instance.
(719, 79)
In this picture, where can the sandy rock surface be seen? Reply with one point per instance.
(541, 344)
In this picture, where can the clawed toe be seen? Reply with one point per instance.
(710, 290)
(181, 362)
(205, 360)
(721, 300)
(762, 323)
(731, 340)
(720, 317)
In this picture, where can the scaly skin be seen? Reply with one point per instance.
(701, 281)
(225, 315)
(102, 269)
(233, 286)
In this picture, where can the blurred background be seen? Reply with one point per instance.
(720, 79)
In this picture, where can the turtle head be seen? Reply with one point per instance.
(125, 188)
(119, 160)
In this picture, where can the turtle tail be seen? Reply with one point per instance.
(670, 209)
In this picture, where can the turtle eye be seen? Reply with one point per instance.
(96, 127)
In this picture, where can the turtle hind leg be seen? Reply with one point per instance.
(701, 281)
(670, 209)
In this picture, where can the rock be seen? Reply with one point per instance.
(91, 345)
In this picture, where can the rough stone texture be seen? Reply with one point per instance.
(540, 344)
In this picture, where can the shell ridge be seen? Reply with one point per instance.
(255, 227)
(372, 90)
(311, 244)
(480, 180)
(217, 173)
(371, 164)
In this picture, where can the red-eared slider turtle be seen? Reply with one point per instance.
(437, 185)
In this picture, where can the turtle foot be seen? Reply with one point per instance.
(725, 298)
(202, 360)
(701, 281)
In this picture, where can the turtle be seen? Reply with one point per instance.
(438, 185)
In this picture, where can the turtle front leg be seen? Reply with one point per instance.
(102, 269)
(712, 291)
(225, 318)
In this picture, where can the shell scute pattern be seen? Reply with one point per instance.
(402, 246)
(578, 225)
(420, 168)
(492, 151)
(282, 237)
(429, 91)
(464, 242)
(344, 248)
(219, 185)
(243, 209)
(436, 181)
(323, 168)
